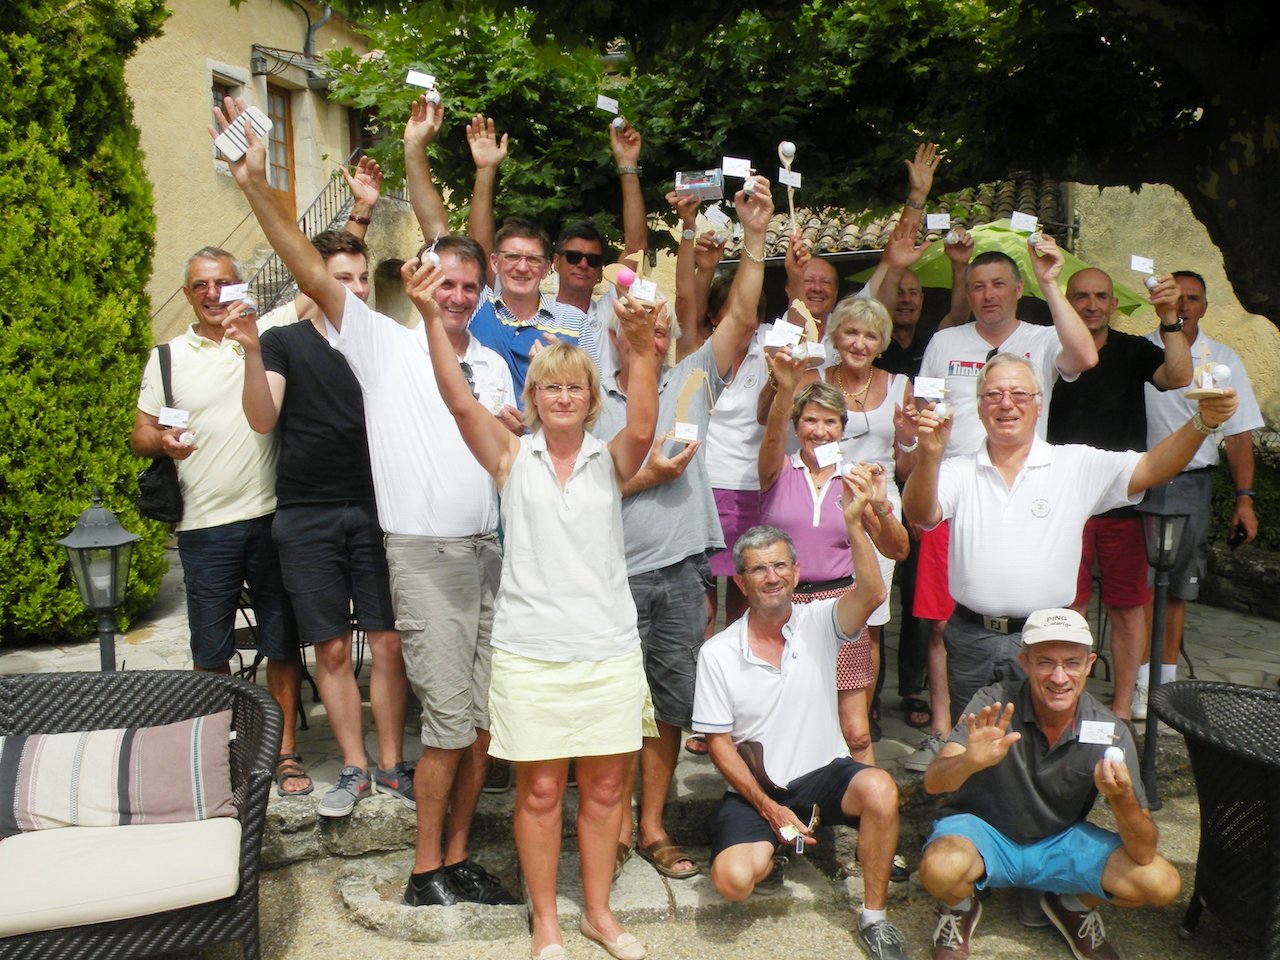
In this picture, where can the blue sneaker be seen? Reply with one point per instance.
(353, 786)
(398, 782)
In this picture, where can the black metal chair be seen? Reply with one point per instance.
(65, 702)
(1233, 739)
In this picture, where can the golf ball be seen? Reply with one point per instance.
(432, 258)
(433, 96)
(1221, 373)
(1152, 282)
(619, 123)
(749, 187)
(952, 238)
(187, 438)
(250, 305)
(942, 410)
(1114, 754)
(626, 277)
(1035, 238)
(787, 150)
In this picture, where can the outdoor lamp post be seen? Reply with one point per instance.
(99, 550)
(1163, 535)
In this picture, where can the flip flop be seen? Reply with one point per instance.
(697, 745)
(664, 854)
(917, 712)
(289, 767)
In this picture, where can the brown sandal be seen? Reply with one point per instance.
(625, 850)
(664, 854)
(289, 767)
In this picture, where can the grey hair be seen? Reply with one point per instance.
(211, 253)
(1000, 359)
(759, 538)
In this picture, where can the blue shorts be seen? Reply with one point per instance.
(1068, 862)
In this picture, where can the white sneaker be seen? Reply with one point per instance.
(1138, 710)
(920, 760)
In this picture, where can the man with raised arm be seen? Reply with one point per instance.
(766, 701)
(439, 510)
(1023, 769)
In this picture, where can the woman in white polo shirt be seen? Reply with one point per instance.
(567, 680)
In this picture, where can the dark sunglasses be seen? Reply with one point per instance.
(575, 257)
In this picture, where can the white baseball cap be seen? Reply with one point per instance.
(1056, 624)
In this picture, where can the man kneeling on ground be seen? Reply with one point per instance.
(766, 699)
(1025, 765)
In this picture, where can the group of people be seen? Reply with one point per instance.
(525, 500)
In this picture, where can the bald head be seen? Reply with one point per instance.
(1091, 293)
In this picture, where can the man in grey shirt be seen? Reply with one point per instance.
(670, 522)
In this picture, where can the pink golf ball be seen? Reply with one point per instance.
(626, 277)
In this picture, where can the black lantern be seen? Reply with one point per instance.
(1163, 532)
(99, 550)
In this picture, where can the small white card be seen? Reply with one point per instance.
(1097, 731)
(1142, 264)
(607, 104)
(643, 289)
(417, 78)
(735, 167)
(937, 221)
(688, 432)
(782, 333)
(173, 417)
(929, 388)
(1024, 222)
(232, 143)
(789, 178)
(233, 291)
(716, 215)
(827, 454)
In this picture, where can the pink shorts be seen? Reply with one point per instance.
(1120, 547)
(933, 589)
(739, 511)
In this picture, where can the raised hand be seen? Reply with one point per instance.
(425, 121)
(754, 210)
(961, 251)
(421, 280)
(1046, 260)
(487, 150)
(1165, 298)
(366, 183)
(708, 251)
(858, 493)
(685, 205)
(901, 252)
(638, 323)
(625, 144)
(932, 431)
(920, 170)
(786, 371)
(798, 256)
(252, 167)
(241, 324)
(665, 468)
(989, 738)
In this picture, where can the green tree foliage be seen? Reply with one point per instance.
(1113, 92)
(74, 257)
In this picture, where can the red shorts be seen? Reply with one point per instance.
(1120, 547)
(933, 589)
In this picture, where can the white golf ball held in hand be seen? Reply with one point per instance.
(1221, 373)
(433, 97)
(618, 123)
(1152, 282)
(1114, 754)
(942, 410)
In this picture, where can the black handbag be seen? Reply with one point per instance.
(159, 493)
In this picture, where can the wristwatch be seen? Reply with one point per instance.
(1171, 327)
(687, 234)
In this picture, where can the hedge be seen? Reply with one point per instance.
(75, 256)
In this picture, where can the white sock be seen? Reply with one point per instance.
(1144, 674)
(964, 906)
(1072, 903)
(869, 917)
(1168, 672)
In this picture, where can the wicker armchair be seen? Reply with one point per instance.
(65, 702)
(1233, 739)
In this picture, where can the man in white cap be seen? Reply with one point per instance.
(1024, 767)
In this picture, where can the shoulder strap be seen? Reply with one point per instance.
(166, 380)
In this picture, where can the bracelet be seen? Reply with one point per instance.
(1245, 492)
(1201, 425)
(751, 255)
(909, 449)
(622, 170)
(356, 218)
(888, 509)
(914, 204)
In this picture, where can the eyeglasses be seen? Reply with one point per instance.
(1019, 397)
(858, 425)
(573, 391)
(511, 259)
(1072, 667)
(200, 286)
(762, 570)
(575, 257)
(470, 376)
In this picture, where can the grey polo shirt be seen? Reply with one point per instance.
(1036, 792)
(672, 521)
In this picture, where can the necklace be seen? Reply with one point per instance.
(861, 393)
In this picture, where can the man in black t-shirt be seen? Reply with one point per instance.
(326, 527)
(1105, 407)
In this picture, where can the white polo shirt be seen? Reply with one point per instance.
(1167, 410)
(1015, 550)
(425, 479)
(790, 711)
(958, 355)
(732, 445)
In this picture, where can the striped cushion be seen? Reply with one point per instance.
(174, 773)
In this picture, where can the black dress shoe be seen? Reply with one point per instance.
(474, 884)
(431, 889)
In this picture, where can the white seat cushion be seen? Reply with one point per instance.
(77, 875)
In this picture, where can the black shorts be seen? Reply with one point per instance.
(737, 821)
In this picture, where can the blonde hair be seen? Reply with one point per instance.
(871, 313)
(559, 363)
